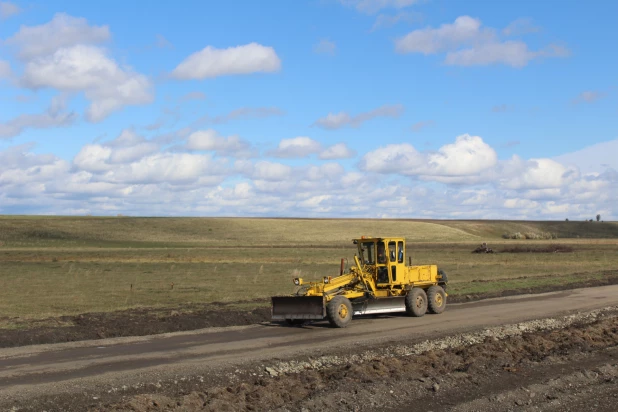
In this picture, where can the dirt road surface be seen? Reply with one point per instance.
(113, 370)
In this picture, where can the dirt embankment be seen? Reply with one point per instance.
(539, 365)
(142, 322)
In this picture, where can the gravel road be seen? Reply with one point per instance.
(103, 374)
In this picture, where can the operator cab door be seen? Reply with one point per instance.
(396, 261)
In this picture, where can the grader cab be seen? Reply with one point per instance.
(380, 281)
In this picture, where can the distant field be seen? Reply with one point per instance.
(61, 266)
(39, 231)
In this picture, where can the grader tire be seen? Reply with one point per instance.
(416, 302)
(436, 300)
(339, 311)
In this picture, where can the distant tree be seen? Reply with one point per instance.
(566, 220)
(598, 217)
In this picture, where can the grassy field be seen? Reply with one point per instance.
(61, 266)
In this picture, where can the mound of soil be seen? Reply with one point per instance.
(133, 322)
(438, 379)
(546, 249)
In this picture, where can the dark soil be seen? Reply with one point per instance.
(133, 322)
(546, 249)
(144, 321)
(440, 378)
(610, 278)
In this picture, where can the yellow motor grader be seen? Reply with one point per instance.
(380, 281)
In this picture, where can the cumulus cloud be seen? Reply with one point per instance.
(8, 9)
(126, 148)
(463, 179)
(297, 147)
(63, 54)
(373, 6)
(271, 171)
(467, 43)
(211, 140)
(211, 62)
(325, 46)
(337, 151)
(468, 156)
(62, 31)
(338, 120)
(536, 174)
(5, 70)
(54, 116)
(108, 86)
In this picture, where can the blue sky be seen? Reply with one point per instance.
(359, 108)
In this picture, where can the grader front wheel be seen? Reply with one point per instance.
(416, 302)
(339, 311)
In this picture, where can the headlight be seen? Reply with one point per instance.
(297, 281)
(326, 279)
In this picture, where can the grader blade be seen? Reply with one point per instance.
(298, 307)
(380, 305)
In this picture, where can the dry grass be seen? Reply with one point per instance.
(59, 266)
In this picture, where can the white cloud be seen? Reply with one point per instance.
(5, 70)
(373, 6)
(385, 20)
(325, 46)
(520, 26)
(270, 171)
(62, 31)
(8, 9)
(93, 158)
(467, 43)
(108, 86)
(126, 148)
(337, 151)
(468, 156)
(394, 158)
(210, 62)
(211, 140)
(338, 120)
(297, 147)
(125, 174)
(171, 168)
(447, 36)
(536, 174)
(54, 116)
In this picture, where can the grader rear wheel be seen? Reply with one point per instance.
(416, 302)
(339, 311)
(436, 299)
